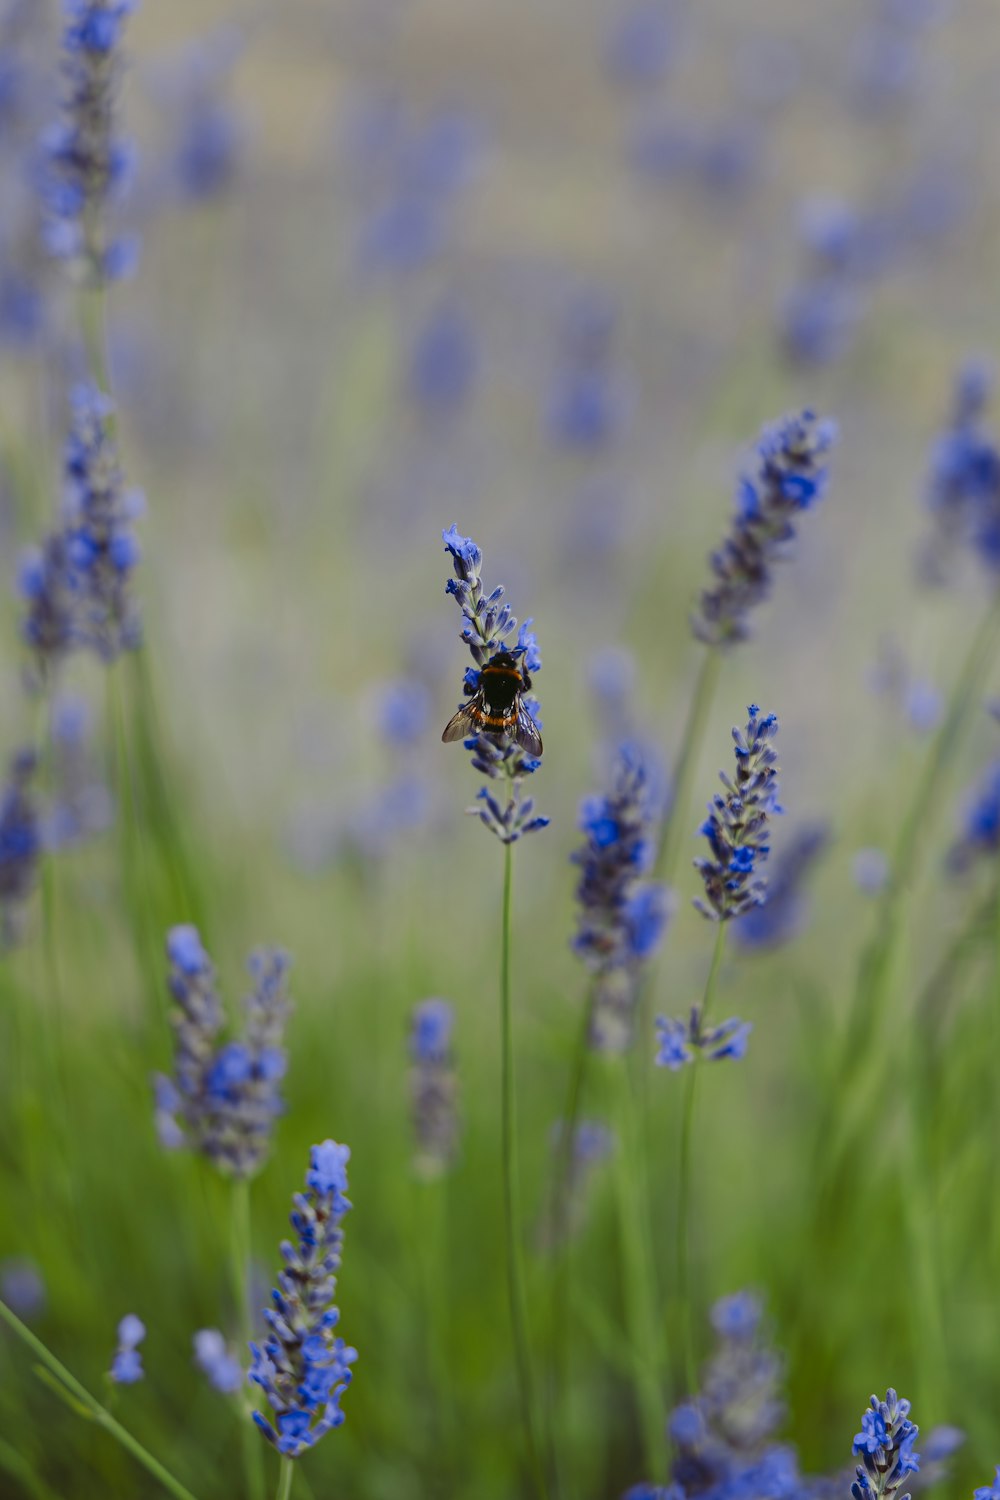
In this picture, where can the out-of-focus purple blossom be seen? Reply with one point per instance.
(87, 164)
(433, 1087)
(642, 42)
(443, 361)
(402, 710)
(590, 401)
(126, 1367)
(980, 835)
(721, 159)
(77, 587)
(963, 488)
(20, 843)
(217, 1361)
(224, 1097)
(22, 1287)
(81, 804)
(622, 917)
(593, 1144)
(870, 870)
(410, 172)
(786, 910)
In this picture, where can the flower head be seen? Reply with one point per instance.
(963, 486)
(77, 587)
(87, 164)
(500, 723)
(789, 476)
(216, 1360)
(20, 842)
(126, 1367)
(980, 835)
(622, 916)
(433, 1087)
(885, 1446)
(302, 1367)
(223, 1098)
(681, 1043)
(737, 826)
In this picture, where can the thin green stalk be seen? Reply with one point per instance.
(684, 1180)
(285, 1478)
(639, 1283)
(559, 1247)
(240, 1241)
(846, 1114)
(97, 1412)
(687, 759)
(511, 1190)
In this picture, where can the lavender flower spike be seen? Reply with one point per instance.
(433, 1088)
(885, 1446)
(126, 1367)
(499, 723)
(737, 824)
(789, 476)
(20, 843)
(87, 164)
(223, 1099)
(622, 916)
(302, 1368)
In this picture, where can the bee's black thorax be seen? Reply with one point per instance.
(500, 682)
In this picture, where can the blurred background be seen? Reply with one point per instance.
(543, 270)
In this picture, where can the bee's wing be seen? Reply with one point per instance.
(460, 725)
(526, 732)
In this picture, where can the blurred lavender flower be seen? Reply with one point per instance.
(217, 1361)
(203, 134)
(679, 1044)
(737, 823)
(402, 711)
(301, 1367)
(22, 1287)
(20, 843)
(885, 1446)
(641, 43)
(588, 406)
(785, 911)
(622, 918)
(500, 722)
(980, 836)
(988, 1491)
(126, 1367)
(870, 870)
(87, 164)
(593, 1144)
(819, 317)
(77, 587)
(433, 1087)
(223, 1099)
(411, 172)
(723, 1437)
(789, 476)
(81, 805)
(963, 489)
(443, 360)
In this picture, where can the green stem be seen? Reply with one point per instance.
(511, 1189)
(639, 1283)
(285, 1477)
(687, 757)
(684, 1178)
(99, 1413)
(253, 1463)
(559, 1247)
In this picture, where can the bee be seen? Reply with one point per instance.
(496, 708)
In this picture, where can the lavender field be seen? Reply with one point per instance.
(436, 441)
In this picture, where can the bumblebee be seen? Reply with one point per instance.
(496, 708)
